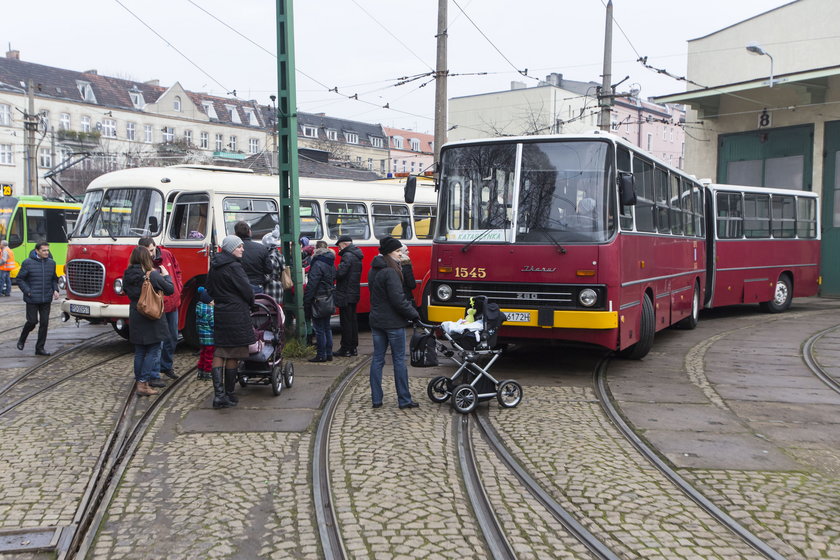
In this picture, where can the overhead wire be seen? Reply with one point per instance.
(388, 31)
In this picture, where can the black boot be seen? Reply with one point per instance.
(220, 400)
(230, 385)
(21, 340)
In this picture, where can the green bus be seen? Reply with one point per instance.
(26, 220)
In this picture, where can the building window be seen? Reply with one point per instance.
(415, 144)
(129, 131)
(147, 133)
(614, 124)
(188, 137)
(109, 128)
(204, 141)
(376, 142)
(45, 159)
(398, 142)
(310, 131)
(234, 114)
(404, 166)
(64, 121)
(370, 164)
(136, 97)
(253, 145)
(649, 141)
(210, 110)
(351, 137)
(332, 135)
(252, 117)
(168, 134)
(86, 91)
(232, 144)
(85, 124)
(5, 115)
(220, 142)
(176, 104)
(6, 155)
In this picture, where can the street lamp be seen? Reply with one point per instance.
(755, 48)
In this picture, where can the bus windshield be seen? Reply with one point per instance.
(121, 212)
(561, 197)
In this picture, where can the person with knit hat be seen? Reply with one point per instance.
(321, 282)
(348, 281)
(274, 282)
(204, 321)
(233, 332)
(390, 311)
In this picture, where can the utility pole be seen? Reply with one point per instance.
(605, 97)
(30, 126)
(441, 74)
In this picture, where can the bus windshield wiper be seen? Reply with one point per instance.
(560, 248)
(476, 238)
(93, 215)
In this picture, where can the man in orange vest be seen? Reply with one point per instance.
(7, 265)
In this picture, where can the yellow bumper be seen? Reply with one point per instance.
(562, 319)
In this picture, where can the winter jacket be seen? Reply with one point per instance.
(255, 261)
(204, 323)
(37, 279)
(165, 258)
(321, 275)
(142, 330)
(409, 282)
(231, 291)
(349, 276)
(388, 307)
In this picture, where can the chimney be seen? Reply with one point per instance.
(554, 79)
(152, 82)
(92, 71)
(14, 55)
(517, 85)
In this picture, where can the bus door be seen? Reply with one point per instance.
(188, 234)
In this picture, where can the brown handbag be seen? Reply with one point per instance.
(150, 304)
(286, 278)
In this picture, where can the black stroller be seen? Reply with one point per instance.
(466, 343)
(265, 365)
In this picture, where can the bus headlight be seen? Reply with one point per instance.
(118, 286)
(444, 292)
(62, 282)
(588, 297)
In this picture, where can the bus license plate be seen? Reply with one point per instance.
(80, 309)
(518, 317)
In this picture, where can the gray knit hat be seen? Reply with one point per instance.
(230, 243)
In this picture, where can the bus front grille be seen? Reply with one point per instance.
(521, 296)
(85, 278)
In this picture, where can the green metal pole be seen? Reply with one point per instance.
(288, 157)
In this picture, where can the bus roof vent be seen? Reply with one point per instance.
(213, 168)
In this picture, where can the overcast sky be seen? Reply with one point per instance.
(365, 47)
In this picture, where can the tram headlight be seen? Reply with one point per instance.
(118, 286)
(444, 292)
(588, 297)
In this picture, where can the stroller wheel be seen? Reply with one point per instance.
(243, 380)
(509, 393)
(464, 398)
(438, 389)
(288, 374)
(276, 380)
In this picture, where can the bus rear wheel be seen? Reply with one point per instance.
(782, 296)
(690, 322)
(647, 330)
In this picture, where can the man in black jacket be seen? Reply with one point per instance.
(347, 289)
(255, 260)
(39, 284)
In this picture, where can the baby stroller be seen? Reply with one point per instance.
(466, 342)
(265, 365)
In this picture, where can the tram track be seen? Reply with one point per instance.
(810, 358)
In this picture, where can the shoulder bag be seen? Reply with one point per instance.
(150, 304)
(286, 278)
(324, 304)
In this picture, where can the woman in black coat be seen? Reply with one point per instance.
(233, 331)
(321, 281)
(146, 334)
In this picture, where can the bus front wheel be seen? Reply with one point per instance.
(781, 297)
(121, 328)
(647, 330)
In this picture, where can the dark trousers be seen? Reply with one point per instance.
(349, 326)
(37, 313)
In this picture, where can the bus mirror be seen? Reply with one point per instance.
(153, 224)
(410, 188)
(626, 189)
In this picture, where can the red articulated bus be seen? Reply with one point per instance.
(190, 209)
(589, 239)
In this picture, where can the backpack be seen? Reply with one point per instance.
(423, 349)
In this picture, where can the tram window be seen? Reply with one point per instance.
(310, 220)
(687, 203)
(347, 218)
(783, 219)
(660, 180)
(189, 217)
(424, 221)
(806, 218)
(260, 213)
(756, 216)
(730, 216)
(643, 172)
(16, 230)
(675, 206)
(391, 219)
(36, 225)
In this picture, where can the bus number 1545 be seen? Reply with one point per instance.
(474, 272)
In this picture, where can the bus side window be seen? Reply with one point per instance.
(623, 164)
(391, 219)
(424, 221)
(643, 172)
(347, 218)
(730, 216)
(310, 220)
